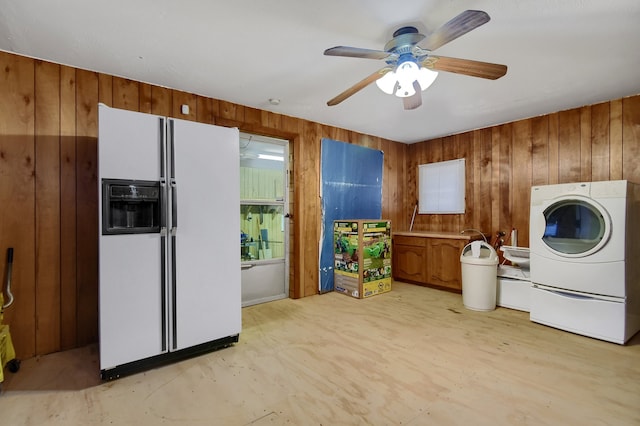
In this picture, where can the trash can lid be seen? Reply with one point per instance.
(479, 253)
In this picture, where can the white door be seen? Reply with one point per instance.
(264, 224)
(575, 226)
(206, 294)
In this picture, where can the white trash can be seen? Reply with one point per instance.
(479, 262)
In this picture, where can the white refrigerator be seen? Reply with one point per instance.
(169, 264)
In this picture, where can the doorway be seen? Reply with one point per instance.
(264, 232)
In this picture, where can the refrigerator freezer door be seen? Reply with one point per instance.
(206, 298)
(130, 144)
(132, 296)
(131, 299)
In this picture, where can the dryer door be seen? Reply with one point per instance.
(575, 226)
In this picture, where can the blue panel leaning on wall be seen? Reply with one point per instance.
(351, 188)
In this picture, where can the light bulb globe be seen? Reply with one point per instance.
(426, 77)
(407, 73)
(387, 82)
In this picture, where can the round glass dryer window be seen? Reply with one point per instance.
(575, 227)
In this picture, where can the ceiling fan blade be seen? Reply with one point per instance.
(356, 52)
(465, 66)
(359, 86)
(458, 26)
(415, 100)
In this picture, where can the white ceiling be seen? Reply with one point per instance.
(560, 54)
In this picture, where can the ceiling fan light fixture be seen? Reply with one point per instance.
(400, 82)
(387, 82)
(426, 77)
(407, 72)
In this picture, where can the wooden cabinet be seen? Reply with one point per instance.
(443, 262)
(409, 258)
(428, 258)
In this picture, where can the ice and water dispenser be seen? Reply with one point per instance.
(130, 206)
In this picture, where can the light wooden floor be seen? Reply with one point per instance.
(414, 356)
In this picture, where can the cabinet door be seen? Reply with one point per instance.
(443, 262)
(409, 263)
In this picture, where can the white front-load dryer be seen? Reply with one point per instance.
(577, 236)
(585, 266)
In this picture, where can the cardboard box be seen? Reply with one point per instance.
(362, 257)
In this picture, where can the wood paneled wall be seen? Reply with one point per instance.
(592, 143)
(49, 189)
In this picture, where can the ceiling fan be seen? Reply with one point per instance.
(410, 66)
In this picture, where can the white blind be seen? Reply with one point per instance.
(441, 187)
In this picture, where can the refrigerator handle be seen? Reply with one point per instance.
(163, 154)
(174, 207)
(163, 213)
(172, 175)
(163, 288)
(174, 304)
(171, 148)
